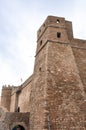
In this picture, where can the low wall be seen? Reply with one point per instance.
(8, 120)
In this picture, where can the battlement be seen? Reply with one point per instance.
(5, 87)
(6, 96)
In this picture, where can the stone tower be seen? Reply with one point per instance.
(58, 99)
(6, 97)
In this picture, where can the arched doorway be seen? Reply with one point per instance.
(18, 127)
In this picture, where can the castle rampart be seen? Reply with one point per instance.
(55, 95)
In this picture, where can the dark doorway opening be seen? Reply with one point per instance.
(18, 127)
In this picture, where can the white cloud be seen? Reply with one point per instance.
(18, 50)
(79, 19)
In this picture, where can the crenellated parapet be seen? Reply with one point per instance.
(7, 86)
(6, 96)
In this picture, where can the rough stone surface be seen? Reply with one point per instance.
(55, 95)
(20, 97)
(8, 120)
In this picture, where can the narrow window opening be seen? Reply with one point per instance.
(58, 21)
(58, 34)
(40, 69)
(40, 42)
(44, 25)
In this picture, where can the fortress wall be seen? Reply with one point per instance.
(20, 97)
(38, 92)
(55, 94)
(9, 120)
(79, 51)
(13, 102)
(6, 97)
(64, 89)
(24, 97)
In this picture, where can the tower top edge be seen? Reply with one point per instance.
(52, 21)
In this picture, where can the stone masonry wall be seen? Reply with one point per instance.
(57, 84)
(79, 51)
(13, 104)
(38, 93)
(6, 97)
(55, 95)
(21, 96)
(65, 90)
(13, 119)
(24, 97)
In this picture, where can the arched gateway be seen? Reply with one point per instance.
(18, 127)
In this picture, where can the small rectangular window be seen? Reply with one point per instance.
(58, 34)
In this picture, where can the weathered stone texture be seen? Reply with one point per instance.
(65, 90)
(23, 101)
(8, 120)
(6, 97)
(55, 95)
(37, 105)
(14, 102)
(20, 97)
(79, 51)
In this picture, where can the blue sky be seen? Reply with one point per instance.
(19, 22)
